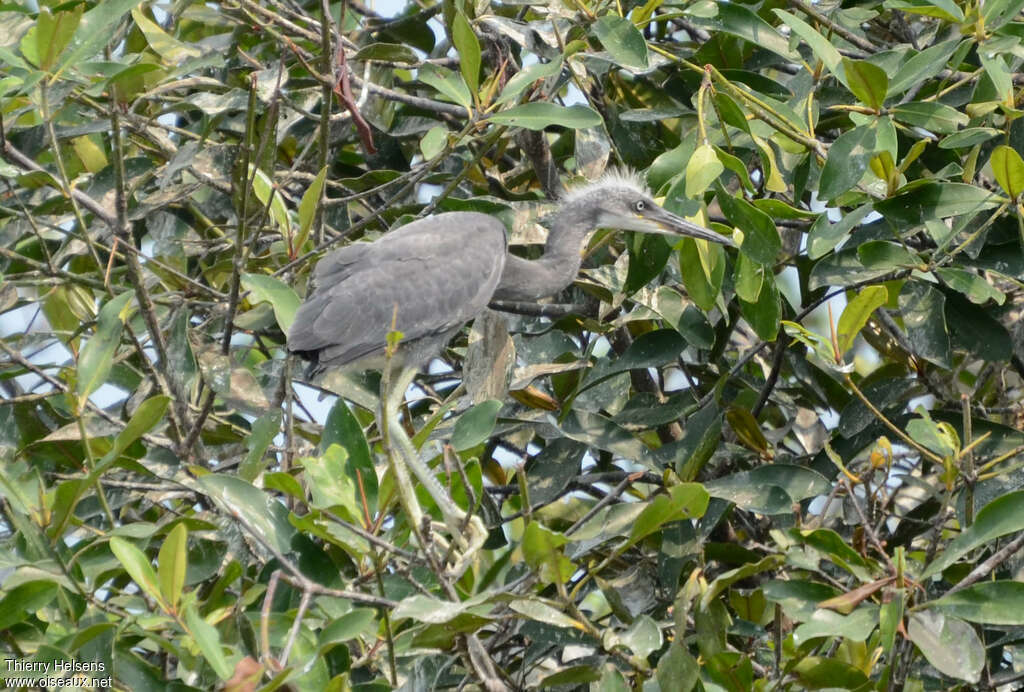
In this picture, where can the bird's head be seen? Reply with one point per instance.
(621, 200)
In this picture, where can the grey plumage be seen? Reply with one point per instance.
(428, 278)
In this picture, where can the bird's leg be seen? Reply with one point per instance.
(468, 531)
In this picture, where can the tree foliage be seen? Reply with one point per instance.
(793, 466)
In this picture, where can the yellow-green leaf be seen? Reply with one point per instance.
(1008, 169)
(172, 562)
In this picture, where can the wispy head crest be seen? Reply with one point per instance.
(612, 178)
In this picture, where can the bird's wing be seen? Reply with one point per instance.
(428, 278)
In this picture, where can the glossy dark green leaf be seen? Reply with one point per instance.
(824, 235)
(977, 331)
(342, 428)
(968, 137)
(1002, 516)
(923, 311)
(881, 254)
(922, 66)
(623, 40)
(933, 200)
(648, 255)
(475, 425)
(539, 115)
(25, 599)
(991, 603)
(847, 161)
(388, 52)
(700, 439)
(760, 237)
(739, 21)
(934, 117)
(765, 314)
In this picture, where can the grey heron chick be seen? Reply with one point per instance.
(428, 278)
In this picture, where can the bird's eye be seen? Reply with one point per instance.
(639, 205)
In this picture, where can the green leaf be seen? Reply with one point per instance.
(94, 31)
(386, 52)
(148, 414)
(623, 40)
(943, 9)
(643, 637)
(265, 192)
(541, 612)
(207, 639)
(702, 169)
(882, 254)
(468, 47)
(329, 485)
(44, 42)
(527, 76)
(433, 142)
(1002, 516)
(280, 295)
(542, 550)
(172, 563)
(924, 317)
(934, 117)
(765, 314)
(307, 208)
(747, 430)
(260, 512)
(352, 624)
(975, 287)
(857, 312)
(138, 567)
(821, 46)
(933, 200)
(475, 425)
(827, 623)
(735, 165)
(702, 273)
(538, 115)
(951, 645)
(923, 66)
(166, 46)
(761, 241)
(342, 428)
(847, 161)
(990, 603)
(739, 21)
(263, 431)
(968, 137)
(823, 236)
(1008, 168)
(648, 255)
(447, 83)
(24, 599)
(770, 489)
(748, 278)
(677, 669)
(867, 81)
(97, 356)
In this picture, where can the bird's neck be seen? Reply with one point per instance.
(526, 280)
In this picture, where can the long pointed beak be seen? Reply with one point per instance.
(677, 225)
